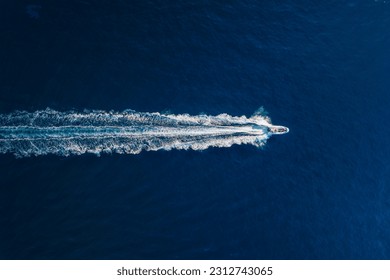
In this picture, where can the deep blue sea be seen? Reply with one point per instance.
(321, 68)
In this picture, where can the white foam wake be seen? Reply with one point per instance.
(129, 132)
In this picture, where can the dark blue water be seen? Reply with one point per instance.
(320, 192)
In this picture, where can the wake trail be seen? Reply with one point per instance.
(129, 132)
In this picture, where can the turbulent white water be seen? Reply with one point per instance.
(129, 132)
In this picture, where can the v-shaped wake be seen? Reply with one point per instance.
(129, 132)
